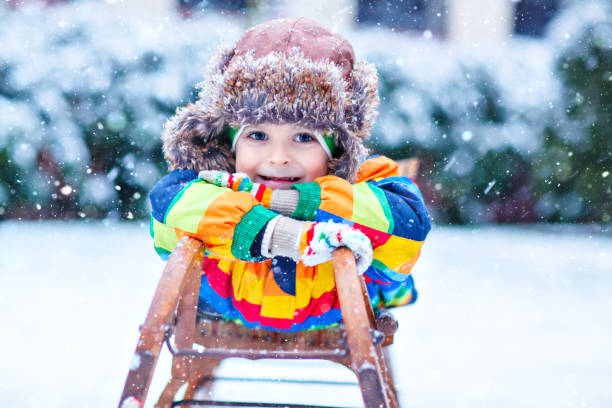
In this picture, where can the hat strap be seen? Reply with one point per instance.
(326, 142)
(234, 134)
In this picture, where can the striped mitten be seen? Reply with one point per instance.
(281, 201)
(314, 243)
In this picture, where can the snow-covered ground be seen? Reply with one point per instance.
(507, 317)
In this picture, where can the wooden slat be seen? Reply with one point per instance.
(357, 324)
(164, 303)
(186, 320)
(238, 338)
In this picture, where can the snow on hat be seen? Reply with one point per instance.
(282, 71)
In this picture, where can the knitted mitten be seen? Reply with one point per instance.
(281, 201)
(283, 237)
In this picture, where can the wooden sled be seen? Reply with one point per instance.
(357, 343)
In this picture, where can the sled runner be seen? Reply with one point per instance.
(357, 343)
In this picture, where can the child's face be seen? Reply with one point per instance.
(280, 155)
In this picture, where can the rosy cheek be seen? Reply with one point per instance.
(320, 169)
(244, 166)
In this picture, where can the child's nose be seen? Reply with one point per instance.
(279, 156)
(279, 160)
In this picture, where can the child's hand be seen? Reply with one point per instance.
(238, 182)
(325, 237)
(283, 237)
(282, 201)
(235, 181)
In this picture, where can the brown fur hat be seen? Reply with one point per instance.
(282, 71)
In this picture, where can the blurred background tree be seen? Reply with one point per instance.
(511, 124)
(582, 155)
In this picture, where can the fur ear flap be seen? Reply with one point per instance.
(352, 154)
(194, 140)
(361, 112)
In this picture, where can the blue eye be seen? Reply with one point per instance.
(258, 136)
(303, 138)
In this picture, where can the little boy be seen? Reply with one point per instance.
(269, 172)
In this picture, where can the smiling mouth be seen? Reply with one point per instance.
(289, 179)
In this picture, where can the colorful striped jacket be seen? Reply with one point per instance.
(277, 293)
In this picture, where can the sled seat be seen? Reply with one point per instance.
(217, 335)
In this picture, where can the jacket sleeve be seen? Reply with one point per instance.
(226, 221)
(388, 208)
